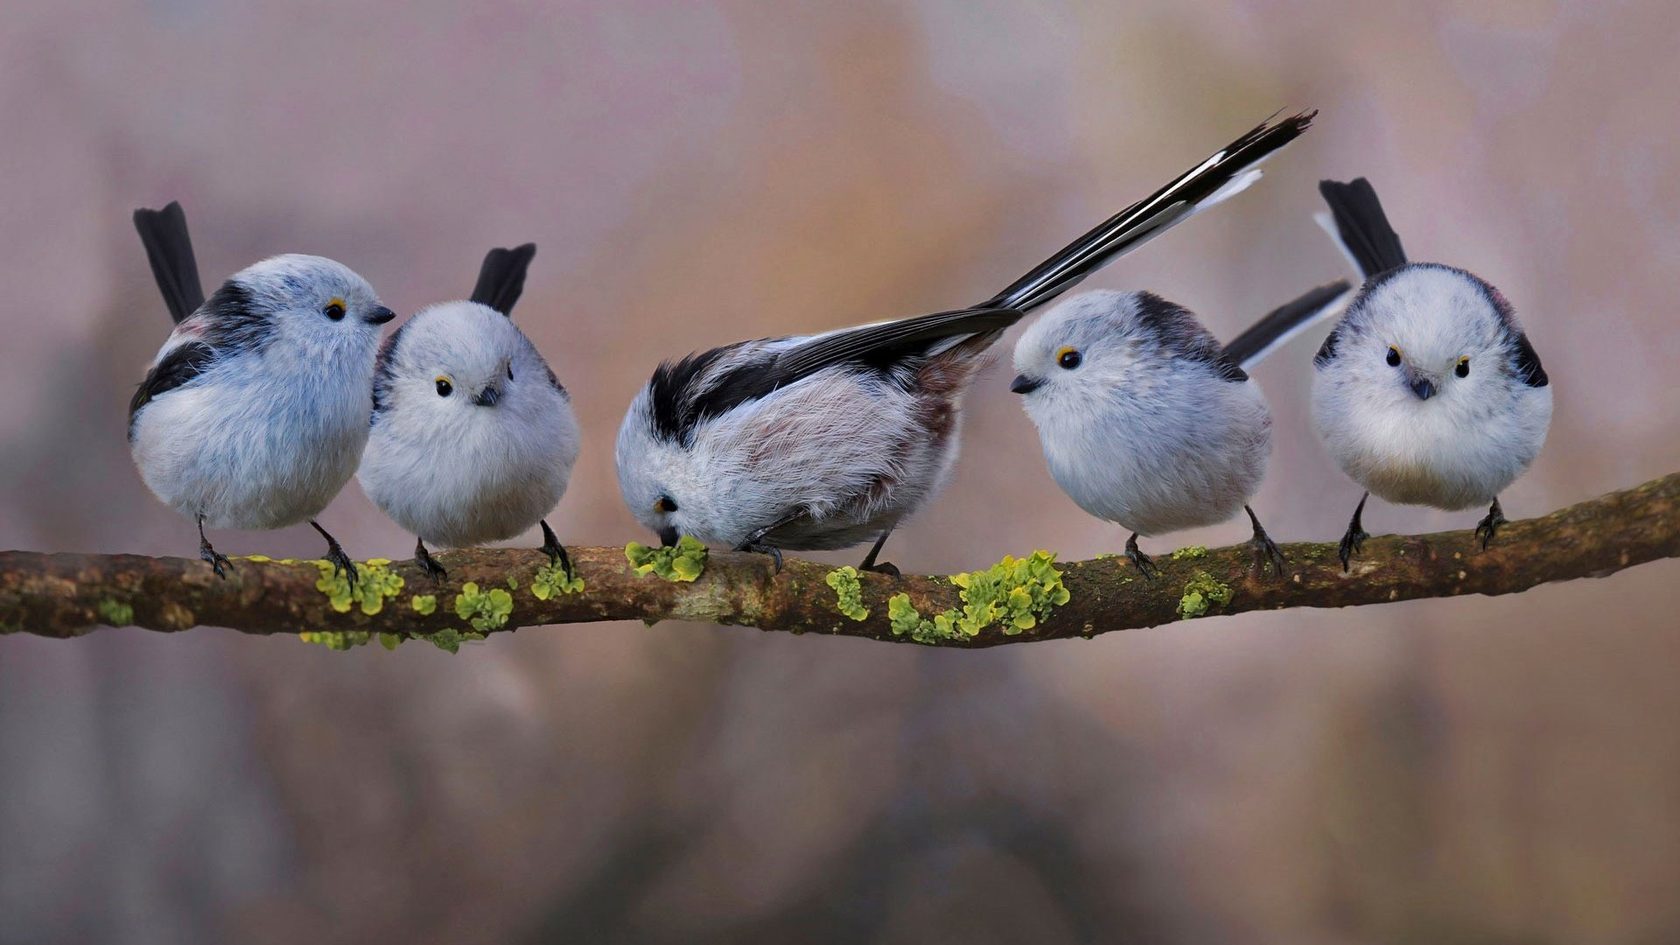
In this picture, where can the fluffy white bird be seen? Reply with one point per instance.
(1145, 420)
(825, 441)
(254, 412)
(473, 437)
(1427, 392)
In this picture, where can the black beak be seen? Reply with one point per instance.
(487, 397)
(668, 536)
(378, 315)
(1423, 388)
(1024, 384)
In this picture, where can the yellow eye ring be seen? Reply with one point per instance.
(1463, 367)
(443, 385)
(1068, 358)
(1393, 356)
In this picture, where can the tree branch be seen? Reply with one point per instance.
(66, 595)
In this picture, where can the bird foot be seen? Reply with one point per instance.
(427, 563)
(882, 567)
(215, 559)
(1489, 525)
(759, 547)
(1352, 543)
(556, 552)
(1144, 563)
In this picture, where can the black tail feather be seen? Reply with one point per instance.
(1282, 322)
(501, 280)
(1363, 226)
(169, 250)
(1148, 218)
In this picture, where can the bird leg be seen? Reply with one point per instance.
(1144, 563)
(424, 559)
(1489, 525)
(884, 567)
(211, 556)
(1354, 539)
(1265, 550)
(556, 552)
(335, 554)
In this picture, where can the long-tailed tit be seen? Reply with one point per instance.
(1427, 392)
(825, 441)
(1145, 420)
(473, 437)
(254, 412)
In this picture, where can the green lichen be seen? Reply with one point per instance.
(1201, 594)
(1014, 593)
(375, 583)
(685, 562)
(551, 581)
(424, 604)
(849, 592)
(484, 610)
(390, 640)
(450, 639)
(115, 613)
(513, 583)
(1189, 553)
(335, 640)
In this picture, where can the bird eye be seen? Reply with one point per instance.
(444, 388)
(1393, 356)
(510, 370)
(334, 310)
(1463, 369)
(1068, 358)
(665, 504)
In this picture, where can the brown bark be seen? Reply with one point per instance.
(66, 595)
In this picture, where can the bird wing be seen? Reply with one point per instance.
(175, 368)
(501, 279)
(712, 383)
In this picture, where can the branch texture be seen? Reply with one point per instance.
(494, 590)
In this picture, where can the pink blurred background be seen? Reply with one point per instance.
(1476, 770)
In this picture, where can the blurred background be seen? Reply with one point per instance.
(1467, 771)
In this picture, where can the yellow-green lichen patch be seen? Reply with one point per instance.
(423, 604)
(115, 613)
(1014, 593)
(513, 583)
(551, 581)
(334, 640)
(258, 559)
(375, 583)
(1201, 594)
(685, 562)
(390, 640)
(1189, 553)
(484, 610)
(849, 592)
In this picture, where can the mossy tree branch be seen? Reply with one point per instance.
(66, 595)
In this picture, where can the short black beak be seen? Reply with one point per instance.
(378, 315)
(1423, 388)
(487, 397)
(1024, 384)
(668, 536)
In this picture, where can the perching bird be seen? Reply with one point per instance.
(1145, 420)
(1427, 392)
(473, 437)
(825, 441)
(254, 412)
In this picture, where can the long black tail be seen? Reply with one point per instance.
(1226, 172)
(501, 280)
(1285, 322)
(1362, 226)
(169, 249)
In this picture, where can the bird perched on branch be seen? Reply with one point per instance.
(254, 412)
(473, 437)
(1145, 420)
(1427, 392)
(826, 441)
